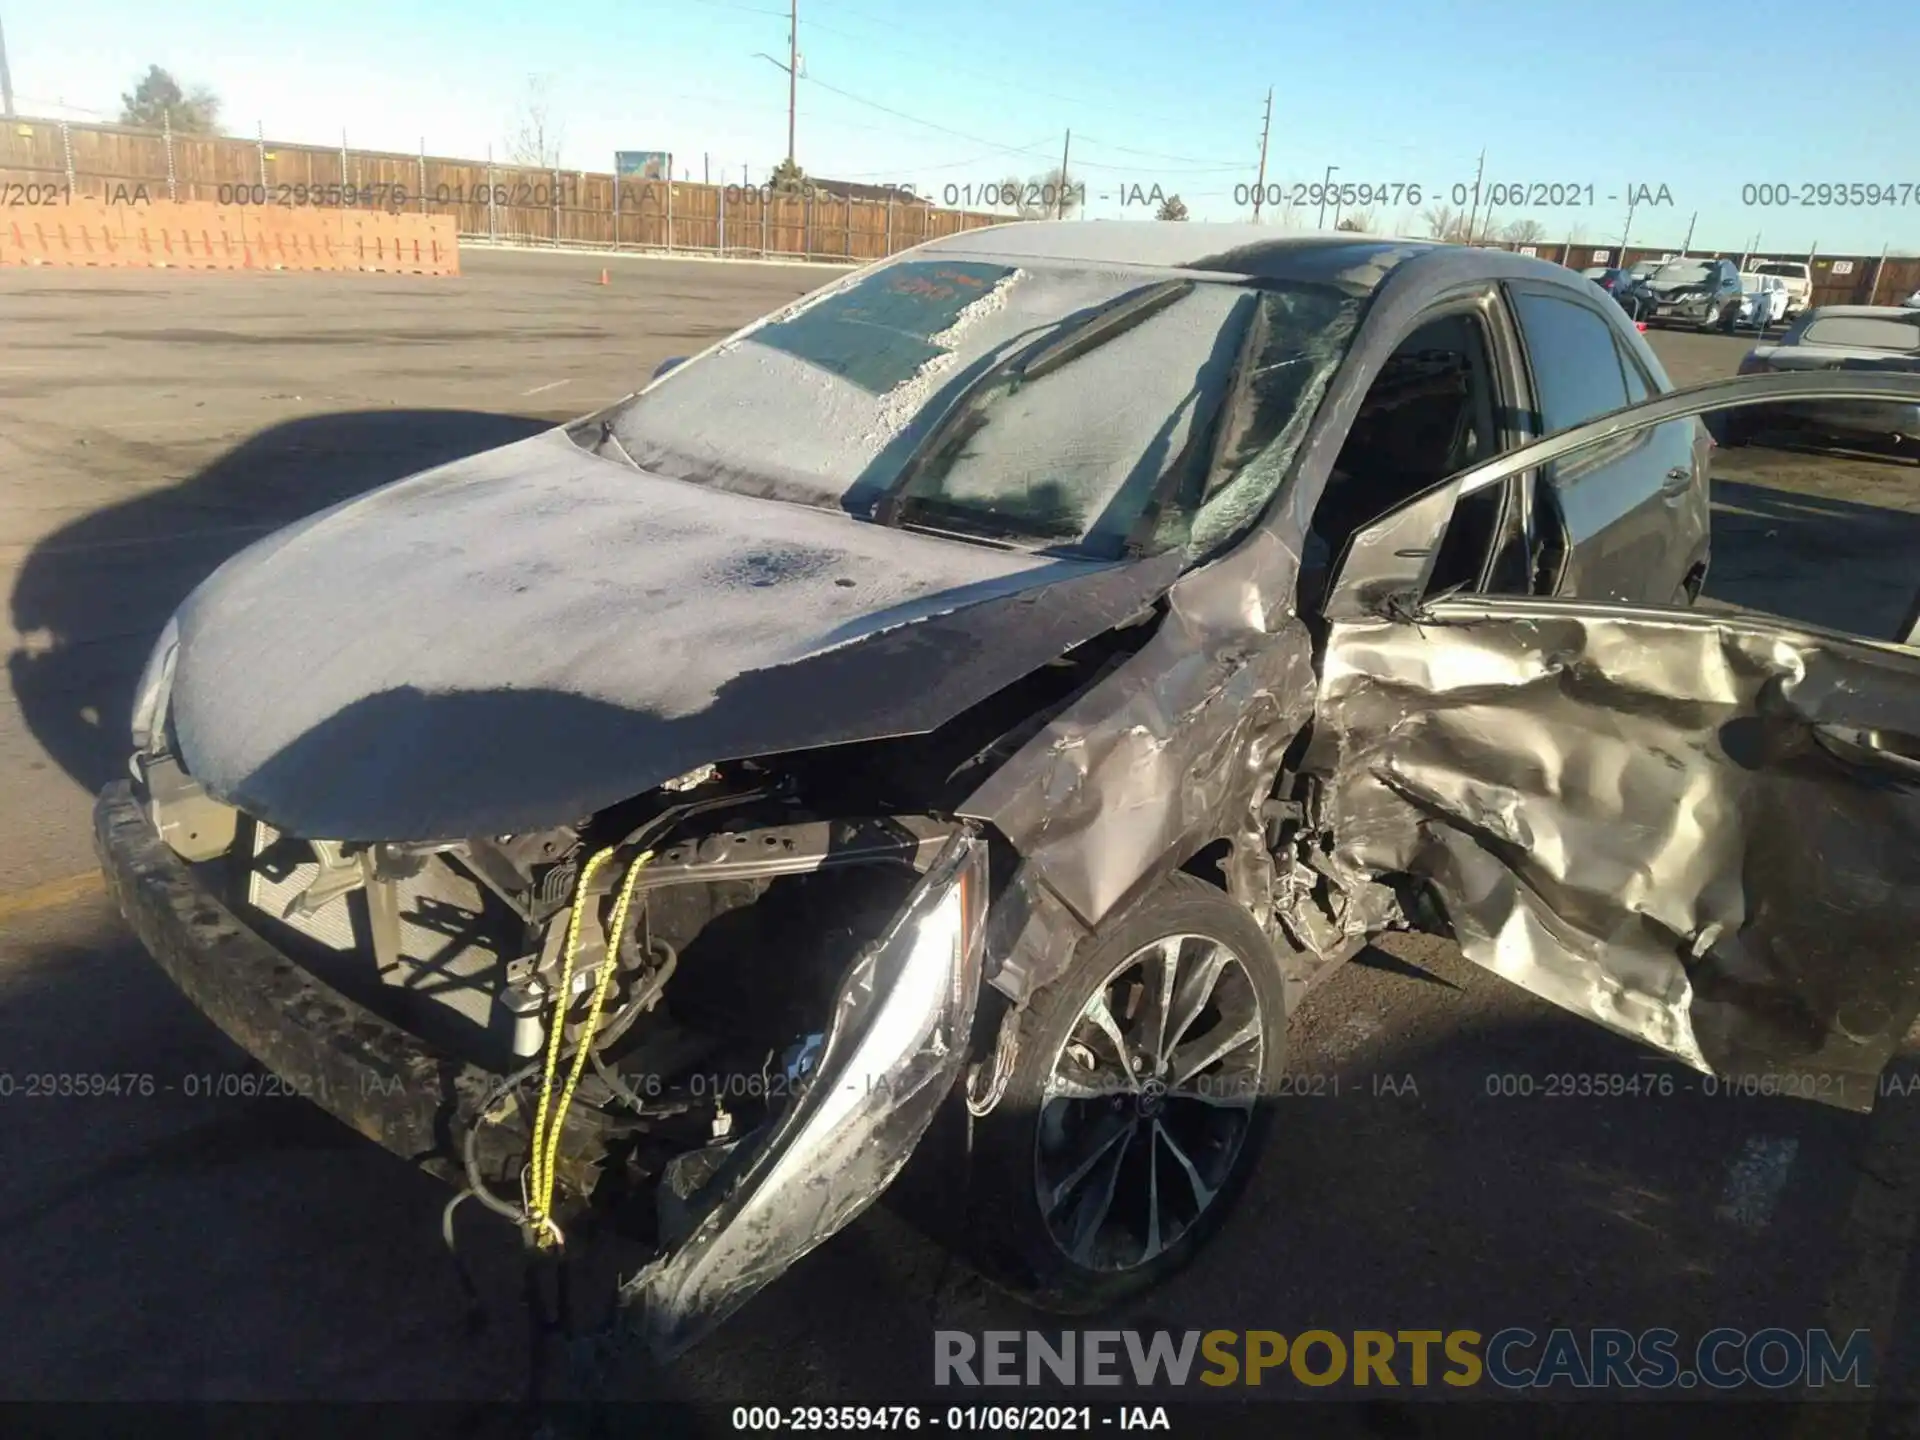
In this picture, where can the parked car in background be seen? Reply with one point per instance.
(1799, 277)
(1841, 337)
(1691, 291)
(1763, 299)
(1912, 300)
(896, 704)
(1611, 278)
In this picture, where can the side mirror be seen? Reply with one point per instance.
(1385, 565)
(665, 365)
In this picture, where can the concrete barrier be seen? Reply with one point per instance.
(196, 235)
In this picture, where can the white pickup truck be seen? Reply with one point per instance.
(1799, 277)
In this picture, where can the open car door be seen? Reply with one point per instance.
(1699, 827)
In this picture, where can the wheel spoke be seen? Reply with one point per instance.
(1203, 1193)
(1196, 990)
(1164, 973)
(1190, 1059)
(1155, 1242)
(1101, 1016)
(1096, 1198)
(1119, 1130)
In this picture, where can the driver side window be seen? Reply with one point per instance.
(1432, 411)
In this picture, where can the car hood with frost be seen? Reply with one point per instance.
(528, 635)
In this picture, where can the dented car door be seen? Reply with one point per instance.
(1698, 828)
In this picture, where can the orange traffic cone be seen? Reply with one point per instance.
(603, 275)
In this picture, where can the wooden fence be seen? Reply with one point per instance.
(53, 161)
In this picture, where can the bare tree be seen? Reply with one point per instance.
(1525, 232)
(1445, 222)
(158, 102)
(1360, 222)
(1171, 208)
(538, 133)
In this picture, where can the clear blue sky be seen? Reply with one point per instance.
(1391, 91)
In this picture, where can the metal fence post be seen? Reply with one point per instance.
(806, 225)
(616, 209)
(556, 208)
(166, 136)
(260, 145)
(766, 204)
(669, 206)
(345, 179)
(723, 218)
(423, 174)
(889, 241)
(66, 149)
(492, 225)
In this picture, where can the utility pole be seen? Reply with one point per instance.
(6, 79)
(793, 74)
(1878, 266)
(1326, 184)
(1686, 245)
(1473, 212)
(1260, 185)
(1060, 205)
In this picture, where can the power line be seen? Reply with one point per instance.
(992, 77)
(915, 119)
(1161, 155)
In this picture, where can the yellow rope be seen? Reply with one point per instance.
(546, 1137)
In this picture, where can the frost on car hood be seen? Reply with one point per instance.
(530, 634)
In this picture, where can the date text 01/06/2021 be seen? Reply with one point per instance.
(1020, 1419)
(1494, 194)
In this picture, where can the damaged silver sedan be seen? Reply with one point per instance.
(1007, 679)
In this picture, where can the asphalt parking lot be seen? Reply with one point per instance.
(168, 1247)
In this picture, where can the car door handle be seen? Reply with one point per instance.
(1879, 748)
(1679, 478)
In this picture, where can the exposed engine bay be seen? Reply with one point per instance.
(754, 886)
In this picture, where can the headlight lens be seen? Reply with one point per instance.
(156, 682)
(894, 1049)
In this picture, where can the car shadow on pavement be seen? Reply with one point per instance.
(1424, 1190)
(91, 598)
(1839, 564)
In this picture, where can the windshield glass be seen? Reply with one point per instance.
(1051, 405)
(1683, 272)
(1866, 332)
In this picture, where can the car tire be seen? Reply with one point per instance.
(1140, 1178)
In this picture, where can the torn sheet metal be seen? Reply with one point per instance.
(534, 633)
(1655, 822)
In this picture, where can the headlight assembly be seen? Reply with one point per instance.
(893, 1052)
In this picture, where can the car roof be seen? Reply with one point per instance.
(1356, 261)
(1858, 312)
